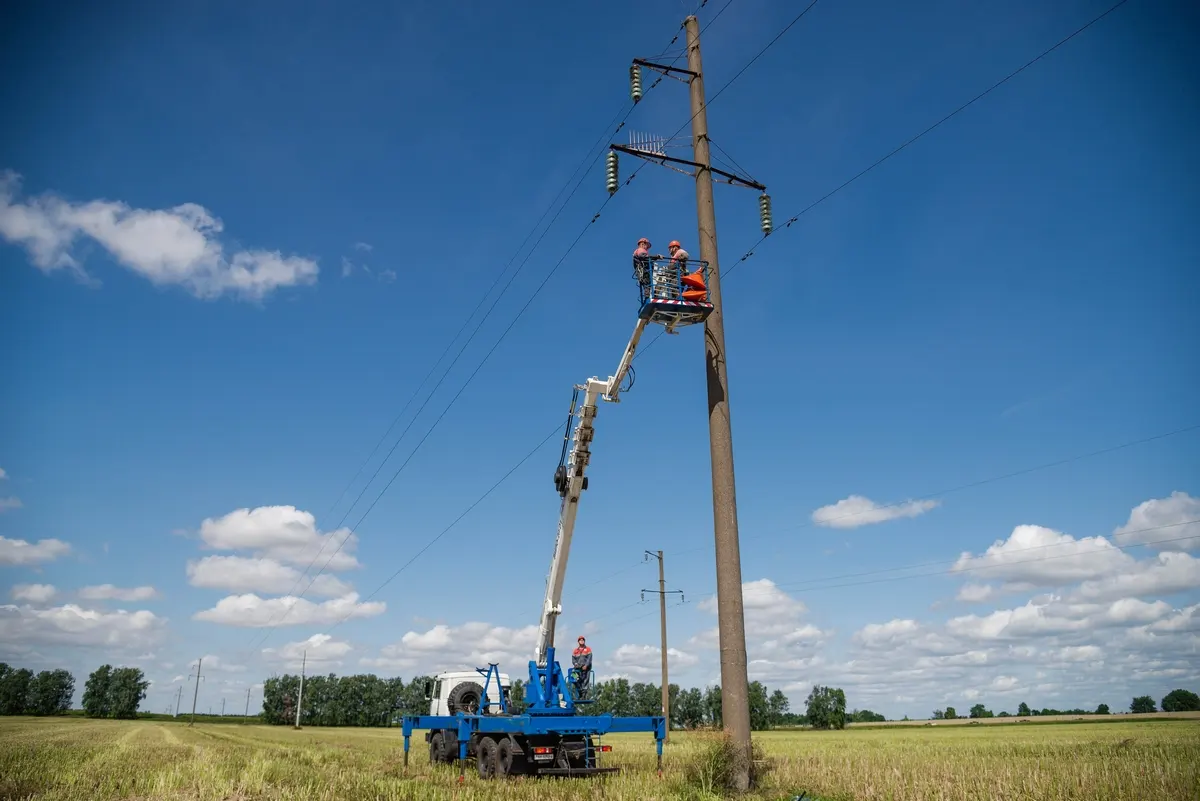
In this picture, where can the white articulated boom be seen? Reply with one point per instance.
(571, 483)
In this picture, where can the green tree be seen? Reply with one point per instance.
(951, 714)
(51, 692)
(777, 705)
(1102, 709)
(516, 697)
(825, 708)
(865, 716)
(96, 702)
(939, 714)
(980, 711)
(15, 685)
(1143, 703)
(1181, 701)
(712, 706)
(127, 690)
(1023, 710)
(689, 709)
(760, 707)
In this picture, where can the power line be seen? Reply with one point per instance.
(952, 114)
(709, 101)
(1109, 549)
(1002, 565)
(958, 488)
(562, 259)
(1006, 552)
(456, 521)
(596, 158)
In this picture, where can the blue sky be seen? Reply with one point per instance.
(236, 240)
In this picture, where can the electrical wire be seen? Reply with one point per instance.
(1002, 565)
(562, 259)
(1006, 552)
(449, 345)
(455, 522)
(788, 223)
(960, 488)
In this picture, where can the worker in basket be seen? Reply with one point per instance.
(581, 661)
(641, 263)
(691, 285)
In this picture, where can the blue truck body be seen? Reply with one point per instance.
(550, 738)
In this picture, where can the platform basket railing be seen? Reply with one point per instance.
(665, 298)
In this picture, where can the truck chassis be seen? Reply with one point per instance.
(526, 745)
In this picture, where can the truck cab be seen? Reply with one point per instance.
(462, 691)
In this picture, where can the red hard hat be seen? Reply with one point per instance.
(644, 239)
(674, 243)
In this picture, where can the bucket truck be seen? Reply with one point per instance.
(469, 712)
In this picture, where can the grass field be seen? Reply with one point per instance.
(72, 760)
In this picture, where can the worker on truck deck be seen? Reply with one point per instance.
(581, 660)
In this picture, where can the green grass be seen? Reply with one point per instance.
(69, 759)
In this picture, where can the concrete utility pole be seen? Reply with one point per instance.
(247, 715)
(196, 694)
(735, 685)
(178, 698)
(662, 614)
(222, 706)
(300, 695)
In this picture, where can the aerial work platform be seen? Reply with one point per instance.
(673, 293)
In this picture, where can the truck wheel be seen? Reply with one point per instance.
(487, 758)
(510, 758)
(437, 749)
(465, 698)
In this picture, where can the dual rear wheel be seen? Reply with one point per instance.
(496, 758)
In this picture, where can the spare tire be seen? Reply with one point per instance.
(465, 698)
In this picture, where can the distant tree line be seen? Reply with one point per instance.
(24, 693)
(358, 700)
(1174, 701)
(368, 700)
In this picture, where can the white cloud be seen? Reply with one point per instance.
(246, 574)
(640, 662)
(1036, 556)
(975, 593)
(856, 511)
(363, 246)
(107, 592)
(33, 593)
(1171, 518)
(466, 647)
(778, 642)
(283, 533)
(1034, 620)
(72, 625)
(177, 246)
(215, 662)
(11, 502)
(318, 651)
(1167, 574)
(877, 635)
(3, 474)
(21, 552)
(251, 611)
